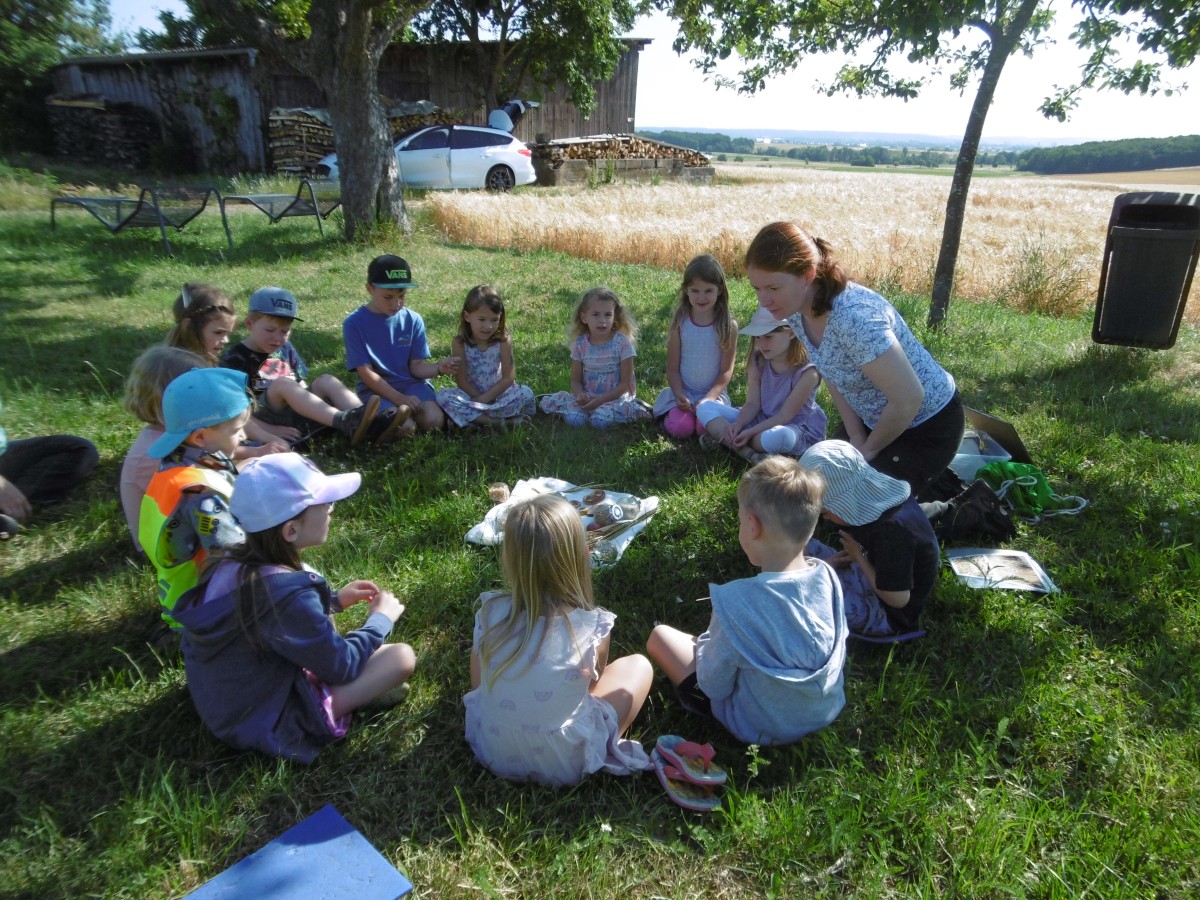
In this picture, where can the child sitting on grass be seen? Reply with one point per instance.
(769, 667)
(185, 514)
(486, 392)
(780, 414)
(204, 320)
(603, 385)
(889, 560)
(265, 665)
(546, 703)
(148, 379)
(277, 375)
(387, 347)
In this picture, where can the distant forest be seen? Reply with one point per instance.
(1131, 155)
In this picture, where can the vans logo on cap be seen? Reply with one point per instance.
(397, 274)
(283, 303)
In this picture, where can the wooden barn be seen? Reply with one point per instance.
(210, 108)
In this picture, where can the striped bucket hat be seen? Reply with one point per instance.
(854, 492)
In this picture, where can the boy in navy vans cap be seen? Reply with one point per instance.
(277, 375)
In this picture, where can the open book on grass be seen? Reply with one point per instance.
(1014, 570)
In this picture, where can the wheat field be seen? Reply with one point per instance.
(1032, 242)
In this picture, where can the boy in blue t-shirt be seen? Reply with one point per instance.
(386, 346)
(285, 402)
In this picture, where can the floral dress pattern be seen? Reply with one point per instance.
(483, 371)
(601, 373)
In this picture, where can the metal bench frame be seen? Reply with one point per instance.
(313, 197)
(154, 207)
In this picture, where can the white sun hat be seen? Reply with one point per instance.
(854, 492)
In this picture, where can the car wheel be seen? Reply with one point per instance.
(500, 178)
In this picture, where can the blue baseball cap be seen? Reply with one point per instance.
(197, 399)
(275, 301)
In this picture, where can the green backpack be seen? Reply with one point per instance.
(1027, 491)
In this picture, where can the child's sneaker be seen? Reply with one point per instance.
(709, 443)
(8, 527)
(355, 423)
(389, 698)
(384, 428)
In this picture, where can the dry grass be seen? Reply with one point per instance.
(1034, 243)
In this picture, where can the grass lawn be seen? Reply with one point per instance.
(1029, 746)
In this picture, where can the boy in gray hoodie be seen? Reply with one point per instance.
(769, 667)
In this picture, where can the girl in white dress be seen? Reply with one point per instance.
(486, 392)
(701, 348)
(546, 703)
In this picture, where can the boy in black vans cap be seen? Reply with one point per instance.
(387, 347)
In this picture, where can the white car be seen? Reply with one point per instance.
(456, 156)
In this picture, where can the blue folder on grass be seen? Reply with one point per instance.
(323, 856)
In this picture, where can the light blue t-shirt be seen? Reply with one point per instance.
(387, 343)
(860, 328)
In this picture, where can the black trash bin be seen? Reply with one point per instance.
(1149, 260)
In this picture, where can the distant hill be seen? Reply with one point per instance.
(867, 138)
(1131, 155)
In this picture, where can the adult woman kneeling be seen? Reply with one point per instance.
(898, 406)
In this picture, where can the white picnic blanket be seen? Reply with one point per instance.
(606, 552)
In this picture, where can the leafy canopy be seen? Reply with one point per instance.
(951, 38)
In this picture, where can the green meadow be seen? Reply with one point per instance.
(1030, 746)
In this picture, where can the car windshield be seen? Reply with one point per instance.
(406, 134)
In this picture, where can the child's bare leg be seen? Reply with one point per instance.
(674, 651)
(429, 416)
(336, 394)
(625, 684)
(285, 392)
(717, 428)
(388, 666)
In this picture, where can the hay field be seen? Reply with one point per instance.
(1182, 180)
(1032, 242)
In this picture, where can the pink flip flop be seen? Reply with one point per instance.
(696, 797)
(694, 761)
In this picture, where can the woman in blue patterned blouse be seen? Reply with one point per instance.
(899, 408)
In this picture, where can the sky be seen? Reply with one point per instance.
(673, 94)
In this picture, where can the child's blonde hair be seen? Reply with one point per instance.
(545, 561)
(483, 295)
(706, 268)
(622, 318)
(150, 375)
(796, 354)
(784, 495)
(197, 305)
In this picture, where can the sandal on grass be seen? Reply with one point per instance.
(697, 797)
(694, 761)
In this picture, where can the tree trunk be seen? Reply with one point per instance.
(343, 57)
(1005, 38)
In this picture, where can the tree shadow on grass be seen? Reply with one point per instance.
(100, 358)
(56, 665)
(39, 581)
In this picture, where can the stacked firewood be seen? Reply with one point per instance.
(614, 146)
(298, 138)
(90, 129)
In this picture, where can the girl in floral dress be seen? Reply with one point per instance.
(603, 388)
(486, 392)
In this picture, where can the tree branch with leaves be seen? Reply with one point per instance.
(973, 39)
